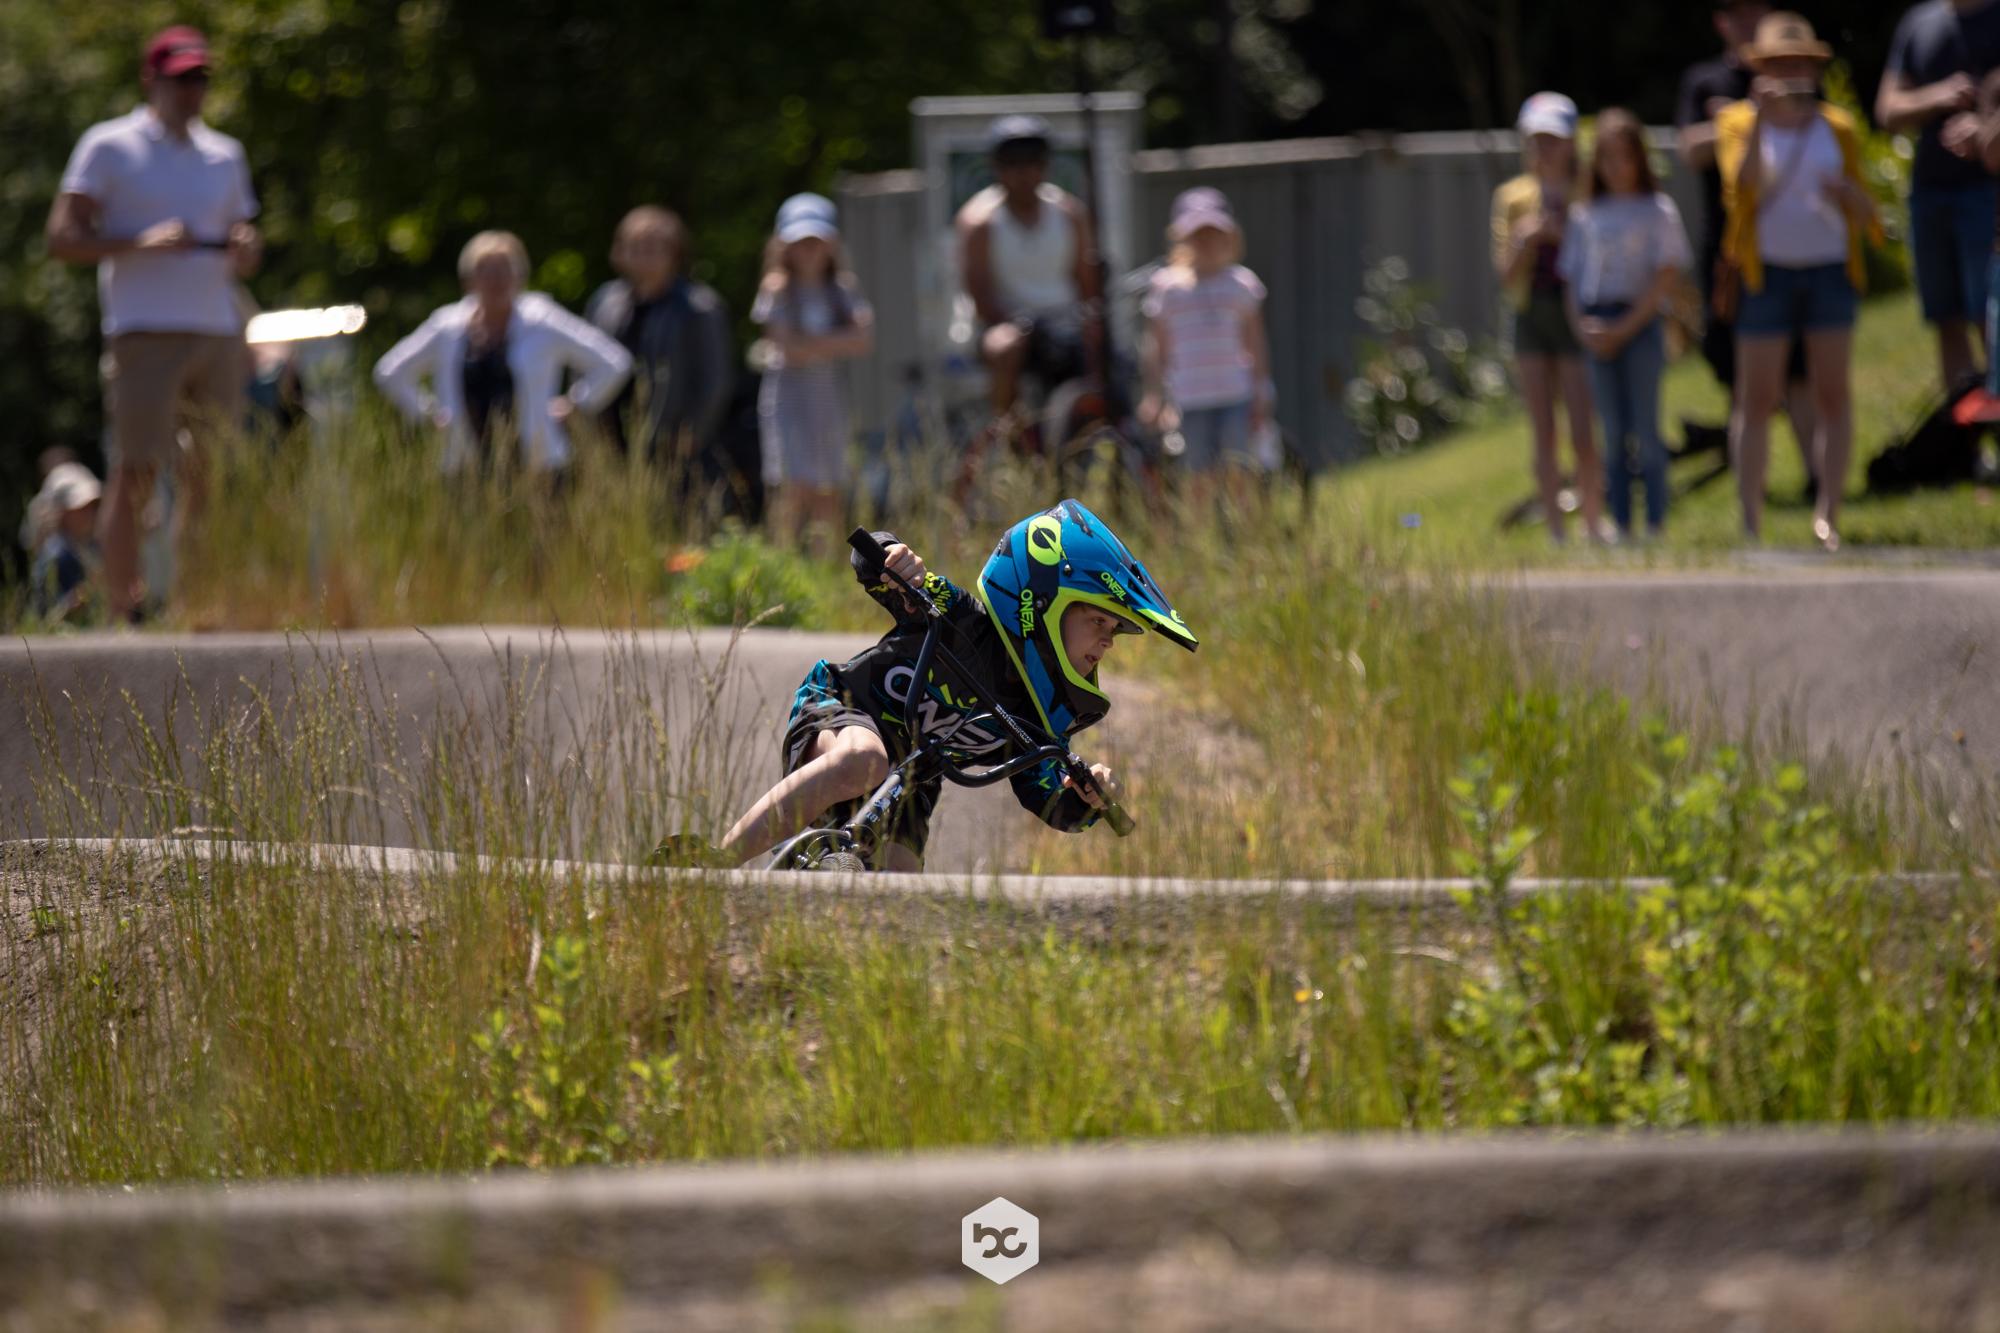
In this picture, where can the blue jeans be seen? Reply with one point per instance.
(1215, 436)
(1627, 389)
(1951, 235)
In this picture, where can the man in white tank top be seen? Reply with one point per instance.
(1025, 253)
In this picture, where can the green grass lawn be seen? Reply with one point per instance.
(1458, 489)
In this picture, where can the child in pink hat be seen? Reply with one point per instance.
(1207, 363)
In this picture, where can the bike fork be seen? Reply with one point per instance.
(867, 825)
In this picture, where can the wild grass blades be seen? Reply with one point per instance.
(254, 1013)
(355, 525)
(249, 1017)
(548, 753)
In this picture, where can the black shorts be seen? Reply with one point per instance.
(909, 824)
(1542, 328)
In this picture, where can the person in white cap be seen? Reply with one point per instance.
(1206, 360)
(1529, 213)
(814, 318)
(59, 531)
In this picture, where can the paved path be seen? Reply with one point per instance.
(1868, 663)
(1871, 663)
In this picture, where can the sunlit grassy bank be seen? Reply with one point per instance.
(1455, 492)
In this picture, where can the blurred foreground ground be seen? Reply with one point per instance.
(1757, 1231)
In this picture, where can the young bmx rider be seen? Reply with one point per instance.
(1051, 602)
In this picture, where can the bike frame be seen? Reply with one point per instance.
(861, 835)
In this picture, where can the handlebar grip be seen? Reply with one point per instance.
(1121, 823)
(862, 540)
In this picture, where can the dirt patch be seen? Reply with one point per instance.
(1197, 1287)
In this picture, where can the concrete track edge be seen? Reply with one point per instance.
(1017, 890)
(1555, 1208)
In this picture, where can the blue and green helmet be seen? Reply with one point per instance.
(1042, 566)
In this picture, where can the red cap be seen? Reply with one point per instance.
(175, 51)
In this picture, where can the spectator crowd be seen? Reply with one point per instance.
(1590, 250)
(1591, 255)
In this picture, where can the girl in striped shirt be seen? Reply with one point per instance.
(1207, 364)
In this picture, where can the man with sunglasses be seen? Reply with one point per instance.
(162, 205)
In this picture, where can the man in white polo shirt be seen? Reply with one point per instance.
(162, 205)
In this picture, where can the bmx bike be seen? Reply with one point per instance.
(1073, 416)
(851, 846)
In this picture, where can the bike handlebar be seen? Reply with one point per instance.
(1080, 776)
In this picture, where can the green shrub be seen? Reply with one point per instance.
(739, 578)
(1418, 376)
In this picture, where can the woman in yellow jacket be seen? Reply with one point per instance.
(1797, 210)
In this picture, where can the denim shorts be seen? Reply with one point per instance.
(1215, 435)
(1797, 300)
(1951, 235)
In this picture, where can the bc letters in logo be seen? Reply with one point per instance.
(1000, 1240)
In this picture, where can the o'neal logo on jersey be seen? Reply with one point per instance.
(943, 721)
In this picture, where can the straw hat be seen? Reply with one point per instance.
(1783, 35)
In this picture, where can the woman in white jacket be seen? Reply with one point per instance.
(499, 355)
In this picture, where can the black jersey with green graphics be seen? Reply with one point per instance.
(877, 683)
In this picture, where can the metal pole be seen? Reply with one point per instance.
(1114, 392)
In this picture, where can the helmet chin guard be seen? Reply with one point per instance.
(1044, 565)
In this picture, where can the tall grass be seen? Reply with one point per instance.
(249, 1017)
(252, 1015)
(357, 526)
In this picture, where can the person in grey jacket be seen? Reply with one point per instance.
(677, 331)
